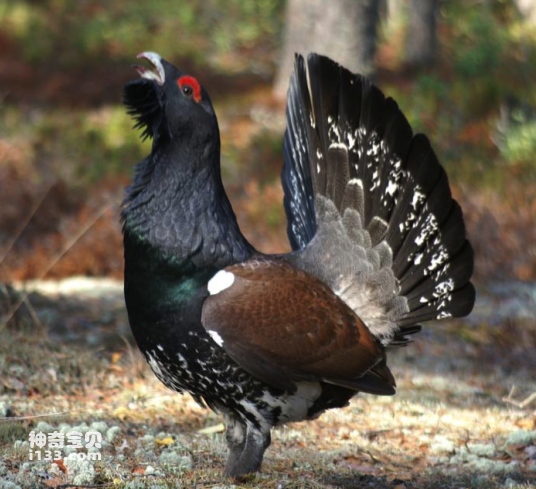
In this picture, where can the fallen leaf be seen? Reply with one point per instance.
(209, 430)
(61, 465)
(53, 482)
(526, 423)
(121, 413)
(116, 356)
(165, 441)
(358, 465)
(115, 368)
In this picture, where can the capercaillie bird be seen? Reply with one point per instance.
(379, 245)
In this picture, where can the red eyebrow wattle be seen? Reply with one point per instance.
(193, 84)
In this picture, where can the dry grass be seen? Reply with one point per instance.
(452, 424)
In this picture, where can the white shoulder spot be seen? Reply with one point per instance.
(221, 281)
(216, 337)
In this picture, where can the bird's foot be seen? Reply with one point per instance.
(245, 457)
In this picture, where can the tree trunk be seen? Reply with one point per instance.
(527, 8)
(344, 30)
(395, 14)
(421, 38)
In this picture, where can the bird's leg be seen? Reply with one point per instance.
(253, 448)
(235, 434)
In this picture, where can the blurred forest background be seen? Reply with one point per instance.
(462, 71)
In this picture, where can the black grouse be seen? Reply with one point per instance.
(378, 243)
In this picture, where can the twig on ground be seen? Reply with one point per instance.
(520, 404)
(26, 302)
(60, 255)
(25, 223)
(8, 419)
(88, 486)
(46, 415)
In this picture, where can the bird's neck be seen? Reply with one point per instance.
(177, 218)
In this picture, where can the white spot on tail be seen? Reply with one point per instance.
(418, 198)
(338, 146)
(356, 181)
(391, 188)
(351, 140)
(216, 337)
(221, 281)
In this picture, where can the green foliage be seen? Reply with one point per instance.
(478, 43)
(116, 30)
(80, 147)
(487, 57)
(517, 142)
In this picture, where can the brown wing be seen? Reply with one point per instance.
(283, 325)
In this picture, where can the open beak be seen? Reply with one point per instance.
(157, 72)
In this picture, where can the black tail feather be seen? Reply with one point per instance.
(296, 176)
(347, 143)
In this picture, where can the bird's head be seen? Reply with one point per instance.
(168, 103)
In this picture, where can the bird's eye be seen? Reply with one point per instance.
(190, 87)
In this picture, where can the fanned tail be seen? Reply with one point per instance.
(362, 188)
